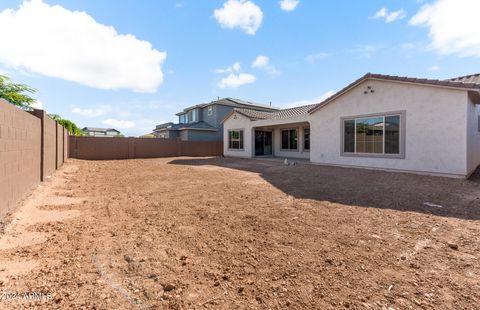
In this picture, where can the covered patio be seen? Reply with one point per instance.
(284, 141)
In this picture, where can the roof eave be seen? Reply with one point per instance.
(202, 129)
(370, 76)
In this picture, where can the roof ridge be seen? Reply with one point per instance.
(463, 76)
(449, 82)
(403, 79)
(300, 106)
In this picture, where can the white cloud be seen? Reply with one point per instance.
(388, 16)
(454, 26)
(313, 58)
(263, 62)
(309, 101)
(288, 5)
(233, 68)
(236, 80)
(92, 112)
(236, 66)
(260, 62)
(242, 14)
(118, 123)
(38, 105)
(71, 45)
(434, 68)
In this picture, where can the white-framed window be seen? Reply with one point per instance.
(235, 139)
(210, 110)
(375, 135)
(289, 139)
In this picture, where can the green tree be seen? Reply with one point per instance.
(71, 126)
(15, 93)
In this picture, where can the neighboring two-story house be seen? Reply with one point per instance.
(101, 132)
(204, 122)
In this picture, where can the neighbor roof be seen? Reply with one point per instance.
(233, 102)
(197, 125)
(99, 129)
(473, 78)
(461, 83)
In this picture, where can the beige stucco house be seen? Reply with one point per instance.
(380, 122)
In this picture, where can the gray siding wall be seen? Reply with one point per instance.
(167, 134)
(202, 135)
(183, 134)
(172, 134)
(209, 119)
(218, 115)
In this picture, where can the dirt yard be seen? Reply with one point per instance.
(184, 233)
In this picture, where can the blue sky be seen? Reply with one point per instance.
(134, 64)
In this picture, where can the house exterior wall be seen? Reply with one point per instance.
(201, 135)
(441, 129)
(238, 122)
(277, 142)
(219, 112)
(101, 133)
(473, 136)
(435, 133)
(166, 134)
(183, 135)
(209, 119)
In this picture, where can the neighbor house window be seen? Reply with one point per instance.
(306, 138)
(372, 135)
(183, 118)
(235, 139)
(194, 116)
(289, 139)
(210, 110)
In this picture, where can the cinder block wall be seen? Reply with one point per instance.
(65, 144)
(59, 149)
(50, 145)
(20, 145)
(100, 148)
(32, 146)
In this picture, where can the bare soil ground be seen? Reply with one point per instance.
(184, 233)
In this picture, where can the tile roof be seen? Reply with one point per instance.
(99, 129)
(252, 104)
(447, 83)
(197, 125)
(228, 101)
(472, 78)
(466, 84)
(285, 113)
(253, 114)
